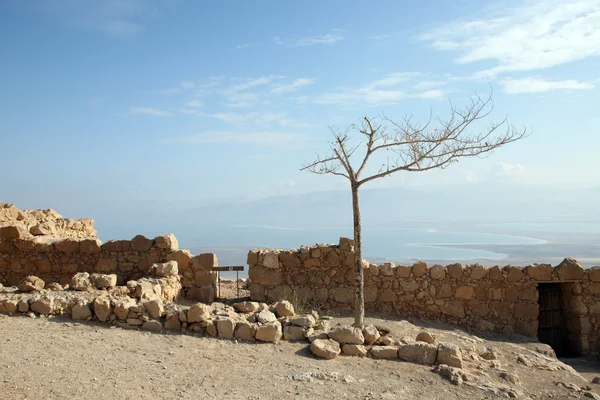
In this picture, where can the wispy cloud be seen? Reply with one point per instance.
(390, 89)
(150, 111)
(261, 138)
(181, 87)
(243, 46)
(534, 35)
(380, 37)
(257, 118)
(194, 103)
(292, 86)
(327, 39)
(537, 85)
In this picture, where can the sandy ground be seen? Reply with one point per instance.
(54, 358)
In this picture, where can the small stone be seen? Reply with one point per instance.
(357, 350)
(152, 325)
(247, 307)
(284, 309)
(425, 337)
(346, 334)
(293, 332)
(225, 328)
(269, 332)
(370, 333)
(449, 355)
(166, 269)
(306, 321)
(81, 310)
(325, 348)
(385, 352)
(81, 281)
(266, 316)
(154, 307)
(419, 352)
(55, 286)
(104, 281)
(31, 283)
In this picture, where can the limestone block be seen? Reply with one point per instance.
(90, 246)
(141, 243)
(102, 308)
(325, 348)
(514, 274)
(450, 355)
(166, 242)
(455, 309)
(346, 334)
(67, 246)
(569, 269)
(225, 327)
(343, 295)
(271, 260)
(356, 350)
(385, 352)
(540, 272)
(169, 268)
(419, 269)
(419, 352)
(293, 332)
(478, 272)
(81, 281)
(182, 257)
(437, 272)
(31, 283)
(81, 310)
(269, 332)
(245, 330)
(116, 246)
(464, 292)
(455, 270)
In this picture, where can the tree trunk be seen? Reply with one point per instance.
(359, 300)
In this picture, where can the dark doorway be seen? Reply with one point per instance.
(552, 327)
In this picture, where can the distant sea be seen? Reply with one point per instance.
(386, 243)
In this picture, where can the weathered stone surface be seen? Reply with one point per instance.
(425, 337)
(10, 306)
(325, 348)
(437, 272)
(409, 286)
(355, 350)
(42, 305)
(527, 311)
(225, 328)
(141, 243)
(464, 292)
(419, 352)
(117, 246)
(198, 313)
(346, 244)
(13, 231)
(284, 309)
(478, 272)
(271, 260)
(81, 281)
(313, 334)
(593, 274)
(152, 325)
(205, 294)
(403, 271)
(346, 334)
(167, 242)
(305, 321)
(182, 257)
(169, 268)
(265, 316)
(90, 246)
(102, 308)
(343, 295)
(370, 334)
(245, 330)
(385, 352)
(67, 246)
(122, 306)
(455, 270)
(419, 269)
(269, 332)
(540, 272)
(31, 283)
(495, 273)
(387, 269)
(154, 307)
(81, 310)
(514, 274)
(569, 269)
(455, 309)
(102, 281)
(293, 332)
(172, 322)
(247, 307)
(387, 296)
(450, 355)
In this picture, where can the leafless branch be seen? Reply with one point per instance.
(417, 148)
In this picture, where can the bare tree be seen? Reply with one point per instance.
(407, 146)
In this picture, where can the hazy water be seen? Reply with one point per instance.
(377, 242)
(565, 227)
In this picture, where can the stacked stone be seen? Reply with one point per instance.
(27, 223)
(502, 299)
(56, 260)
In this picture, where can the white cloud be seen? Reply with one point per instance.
(391, 89)
(533, 35)
(328, 39)
(261, 138)
(380, 37)
(292, 86)
(277, 40)
(149, 111)
(537, 85)
(243, 46)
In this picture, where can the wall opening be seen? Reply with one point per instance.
(552, 320)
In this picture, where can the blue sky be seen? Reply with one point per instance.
(186, 102)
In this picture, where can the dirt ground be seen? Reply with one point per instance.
(54, 358)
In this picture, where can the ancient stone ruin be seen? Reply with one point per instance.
(57, 266)
(559, 304)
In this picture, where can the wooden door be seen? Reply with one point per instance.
(550, 327)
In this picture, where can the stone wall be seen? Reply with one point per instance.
(501, 299)
(24, 224)
(58, 259)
